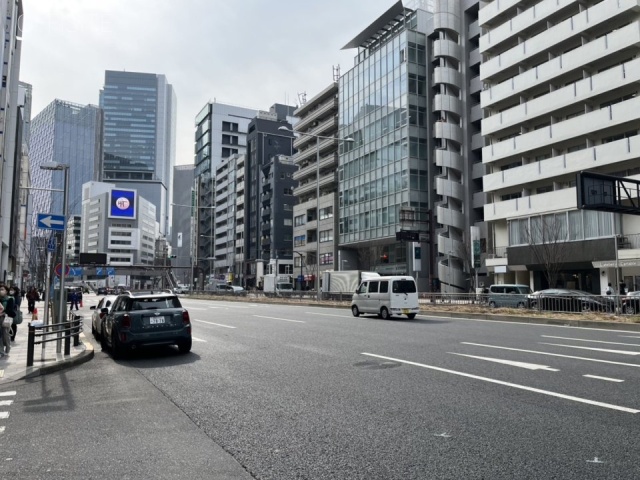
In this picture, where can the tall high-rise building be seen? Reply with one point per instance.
(11, 124)
(410, 105)
(268, 190)
(221, 131)
(183, 225)
(561, 95)
(139, 137)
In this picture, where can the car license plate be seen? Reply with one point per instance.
(156, 320)
(405, 311)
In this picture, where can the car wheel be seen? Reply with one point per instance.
(384, 313)
(355, 311)
(103, 338)
(184, 346)
(629, 309)
(116, 348)
(586, 307)
(94, 332)
(521, 305)
(492, 304)
(411, 316)
(534, 305)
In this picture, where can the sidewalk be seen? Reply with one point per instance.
(14, 366)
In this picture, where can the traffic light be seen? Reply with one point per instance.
(172, 256)
(384, 258)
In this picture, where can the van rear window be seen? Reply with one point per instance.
(404, 286)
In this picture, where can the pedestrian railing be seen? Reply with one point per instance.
(40, 334)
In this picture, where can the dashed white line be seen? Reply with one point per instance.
(211, 323)
(195, 339)
(607, 379)
(528, 366)
(606, 350)
(4, 415)
(283, 319)
(7, 394)
(553, 354)
(328, 314)
(5, 403)
(593, 341)
(512, 385)
(1, 430)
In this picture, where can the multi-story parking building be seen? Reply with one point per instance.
(560, 95)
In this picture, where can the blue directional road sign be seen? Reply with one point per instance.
(51, 244)
(49, 221)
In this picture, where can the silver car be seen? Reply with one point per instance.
(99, 311)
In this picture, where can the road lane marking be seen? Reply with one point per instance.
(629, 336)
(593, 341)
(328, 314)
(276, 318)
(604, 378)
(195, 339)
(4, 415)
(512, 385)
(553, 354)
(528, 366)
(7, 394)
(607, 350)
(529, 324)
(211, 323)
(1, 429)
(5, 403)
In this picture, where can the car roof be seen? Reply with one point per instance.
(148, 293)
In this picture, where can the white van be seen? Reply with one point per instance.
(386, 296)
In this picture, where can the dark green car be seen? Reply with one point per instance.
(146, 319)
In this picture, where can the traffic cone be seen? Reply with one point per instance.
(34, 315)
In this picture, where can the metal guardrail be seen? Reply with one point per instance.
(70, 328)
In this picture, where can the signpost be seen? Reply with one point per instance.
(49, 221)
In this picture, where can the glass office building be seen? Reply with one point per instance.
(139, 136)
(382, 104)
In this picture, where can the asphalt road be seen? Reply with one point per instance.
(302, 392)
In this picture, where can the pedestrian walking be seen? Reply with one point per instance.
(32, 298)
(75, 300)
(17, 319)
(8, 304)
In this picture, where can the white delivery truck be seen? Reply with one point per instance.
(386, 296)
(277, 284)
(344, 281)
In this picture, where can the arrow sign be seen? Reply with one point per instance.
(49, 221)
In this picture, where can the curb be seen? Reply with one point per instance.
(79, 359)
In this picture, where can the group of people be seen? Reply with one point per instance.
(10, 317)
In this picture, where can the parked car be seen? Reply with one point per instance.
(509, 295)
(229, 289)
(102, 291)
(98, 314)
(566, 300)
(146, 319)
(631, 303)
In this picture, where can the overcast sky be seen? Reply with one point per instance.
(251, 53)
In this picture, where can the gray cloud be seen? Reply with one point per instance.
(251, 53)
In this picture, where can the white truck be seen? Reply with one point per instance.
(345, 281)
(277, 284)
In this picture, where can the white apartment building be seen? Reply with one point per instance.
(560, 95)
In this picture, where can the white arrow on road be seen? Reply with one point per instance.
(48, 221)
(528, 366)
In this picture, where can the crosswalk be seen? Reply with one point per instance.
(6, 400)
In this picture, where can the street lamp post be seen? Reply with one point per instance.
(63, 263)
(318, 138)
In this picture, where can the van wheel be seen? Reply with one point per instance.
(411, 316)
(629, 309)
(355, 311)
(520, 305)
(384, 313)
(492, 305)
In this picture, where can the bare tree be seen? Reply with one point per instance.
(463, 252)
(547, 238)
(369, 256)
